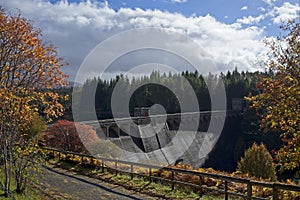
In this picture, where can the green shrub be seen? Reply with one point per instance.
(105, 148)
(257, 162)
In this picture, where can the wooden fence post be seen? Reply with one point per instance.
(249, 190)
(275, 192)
(150, 174)
(131, 171)
(226, 190)
(173, 184)
(102, 166)
(200, 184)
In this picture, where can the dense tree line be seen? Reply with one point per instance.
(237, 85)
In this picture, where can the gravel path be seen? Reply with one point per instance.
(62, 184)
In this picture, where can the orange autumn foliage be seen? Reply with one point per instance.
(29, 69)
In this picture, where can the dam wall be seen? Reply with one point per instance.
(181, 138)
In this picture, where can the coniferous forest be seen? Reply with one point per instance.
(237, 85)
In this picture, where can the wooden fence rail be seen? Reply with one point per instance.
(275, 187)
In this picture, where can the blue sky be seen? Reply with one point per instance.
(217, 8)
(231, 31)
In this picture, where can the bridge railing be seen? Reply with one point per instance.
(249, 184)
(169, 116)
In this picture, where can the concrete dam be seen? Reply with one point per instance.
(191, 138)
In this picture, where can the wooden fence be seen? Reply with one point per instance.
(249, 184)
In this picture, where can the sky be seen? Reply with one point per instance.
(230, 31)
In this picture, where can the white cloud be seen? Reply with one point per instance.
(285, 12)
(244, 8)
(250, 19)
(76, 28)
(261, 9)
(269, 2)
(178, 1)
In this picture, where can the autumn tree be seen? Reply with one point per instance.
(68, 136)
(29, 70)
(278, 102)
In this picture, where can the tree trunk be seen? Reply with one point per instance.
(6, 171)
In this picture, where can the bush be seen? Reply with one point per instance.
(68, 136)
(257, 162)
(105, 148)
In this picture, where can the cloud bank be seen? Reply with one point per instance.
(76, 28)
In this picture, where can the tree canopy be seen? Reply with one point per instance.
(29, 69)
(278, 102)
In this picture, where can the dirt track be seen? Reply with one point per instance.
(62, 184)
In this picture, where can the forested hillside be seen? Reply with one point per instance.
(237, 85)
